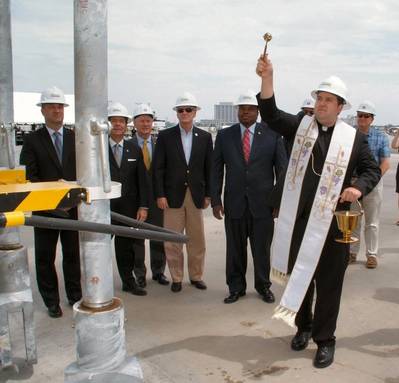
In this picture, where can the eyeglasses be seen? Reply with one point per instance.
(361, 115)
(309, 112)
(187, 110)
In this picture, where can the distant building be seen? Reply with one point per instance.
(225, 113)
(206, 122)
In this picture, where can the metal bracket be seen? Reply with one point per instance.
(102, 129)
(8, 130)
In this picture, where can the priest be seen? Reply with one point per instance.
(325, 153)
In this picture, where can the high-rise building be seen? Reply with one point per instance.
(225, 113)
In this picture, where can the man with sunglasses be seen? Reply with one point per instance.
(181, 180)
(308, 107)
(371, 203)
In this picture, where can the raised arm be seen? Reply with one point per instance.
(283, 123)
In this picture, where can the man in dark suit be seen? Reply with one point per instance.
(181, 175)
(253, 155)
(326, 266)
(127, 167)
(49, 155)
(143, 118)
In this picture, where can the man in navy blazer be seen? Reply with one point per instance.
(49, 155)
(127, 167)
(181, 175)
(250, 157)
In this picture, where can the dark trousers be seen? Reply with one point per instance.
(157, 252)
(328, 280)
(260, 234)
(128, 252)
(46, 275)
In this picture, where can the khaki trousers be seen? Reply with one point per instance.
(190, 220)
(372, 206)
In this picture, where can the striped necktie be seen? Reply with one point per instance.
(146, 155)
(246, 145)
(58, 145)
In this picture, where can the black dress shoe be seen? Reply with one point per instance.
(161, 279)
(199, 285)
(176, 287)
(267, 296)
(134, 289)
(300, 340)
(234, 297)
(141, 282)
(324, 356)
(54, 311)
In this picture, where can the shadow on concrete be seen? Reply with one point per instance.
(383, 343)
(257, 355)
(392, 380)
(260, 356)
(388, 294)
(23, 371)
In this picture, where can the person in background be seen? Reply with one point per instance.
(49, 155)
(371, 203)
(395, 145)
(249, 156)
(127, 167)
(181, 179)
(308, 106)
(143, 117)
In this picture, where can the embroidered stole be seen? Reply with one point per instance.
(322, 212)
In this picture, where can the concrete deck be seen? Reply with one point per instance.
(193, 337)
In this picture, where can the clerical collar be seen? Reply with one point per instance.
(325, 128)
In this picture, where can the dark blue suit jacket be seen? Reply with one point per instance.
(132, 176)
(253, 180)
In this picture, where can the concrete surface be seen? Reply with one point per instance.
(193, 337)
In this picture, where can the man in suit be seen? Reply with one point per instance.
(49, 155)
(127, 167)
(181, 175)
(326, 153)
(252, 156)
(143, 118)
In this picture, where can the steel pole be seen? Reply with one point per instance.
(99, 318)
(8, 237)
(15, 290)
(91, 92)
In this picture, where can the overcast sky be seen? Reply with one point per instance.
(161, 48)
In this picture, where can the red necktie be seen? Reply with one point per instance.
(246, 145)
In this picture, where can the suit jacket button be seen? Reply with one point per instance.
(188, 171)
(185, 184)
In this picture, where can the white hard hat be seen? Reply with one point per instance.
(116, 109)
(334, 85)
(52, 95)
(141, 109)
(247, 98)
(308, 103)
(186, 99)
(366, 107)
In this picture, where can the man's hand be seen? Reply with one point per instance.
(206, 203)
(141, 214)
(350, 194)
(218, 211)
(162, 203)
(264, 68)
